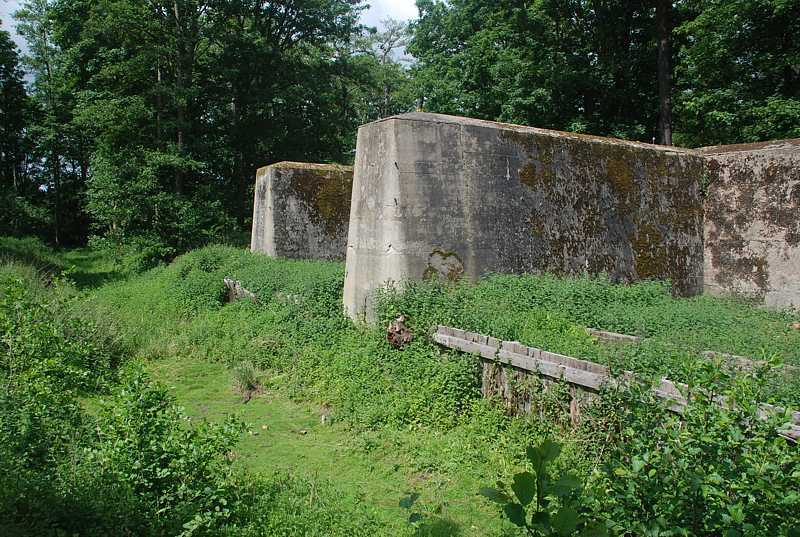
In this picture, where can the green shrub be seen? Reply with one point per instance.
(177, 471)
(35, 342)
(710, 471)
(298, 333)
(138, 467)
(539, 504)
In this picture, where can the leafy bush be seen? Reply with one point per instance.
(132, 202)
(709, 471)
(37, 343)
(177, 471)
(24, 215)
(537, 503)
(138, 466)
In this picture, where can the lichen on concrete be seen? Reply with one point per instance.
(507, 198)
(302, 210)
(752, 221)
(326, 192)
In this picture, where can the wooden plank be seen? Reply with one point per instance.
(464, 345)
(791, 432)
(744, 363)
(613, 336)
(673, 394)
(510, 354)
(575, 363)
(584, 373)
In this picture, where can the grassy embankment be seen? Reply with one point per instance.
(400, 422)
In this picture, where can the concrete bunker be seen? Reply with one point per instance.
(301, 210)
(752, 222)
(450, 197)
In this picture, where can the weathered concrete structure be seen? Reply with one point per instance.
(752, 222)
(302, 210)
(449, 197)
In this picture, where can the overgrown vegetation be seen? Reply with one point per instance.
(539, 505)
(134, 466)
(641, 469)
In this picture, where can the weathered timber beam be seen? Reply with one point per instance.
(584, 373)
(613, 336)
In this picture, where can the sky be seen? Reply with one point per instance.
(378, 10)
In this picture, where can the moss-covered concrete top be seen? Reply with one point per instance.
(286, 164)
(792, 144)
(457, 120)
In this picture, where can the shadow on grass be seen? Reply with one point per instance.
(90, 269)
(91, 280)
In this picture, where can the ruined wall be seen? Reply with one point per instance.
(302, 210)
(752, 222)
(446, 197)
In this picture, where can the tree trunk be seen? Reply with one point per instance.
(159, 104)
(55, 157)
(664, 24)
(56, 170)
(180, 91)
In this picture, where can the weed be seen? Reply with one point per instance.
(247, 379)
(424, 402)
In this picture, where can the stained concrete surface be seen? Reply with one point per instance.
(446, 197)
(752, 222)
(301, 210)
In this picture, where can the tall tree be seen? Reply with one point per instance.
(726, 70)
(13, 112)
(664, 24)
(22, 209)
(581, 65)
(36, 25)
(174, 103)
(277, 68)
(738, 78)
(391, 74)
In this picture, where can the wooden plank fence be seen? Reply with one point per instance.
(580, 373)
(613, 337)
(731, 361)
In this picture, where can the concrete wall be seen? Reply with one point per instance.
(302, 210)
(446, 197)
(752, 222)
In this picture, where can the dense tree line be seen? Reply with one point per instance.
(144, 120)
(728, 69)
(147, 118)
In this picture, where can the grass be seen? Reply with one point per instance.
(373, 470)
(85, 267)
(406, 421)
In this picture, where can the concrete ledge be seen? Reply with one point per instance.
(752, 221)
(302, 210)
(444, 197)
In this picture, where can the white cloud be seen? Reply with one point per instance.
(396, 9)
(7, 8)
